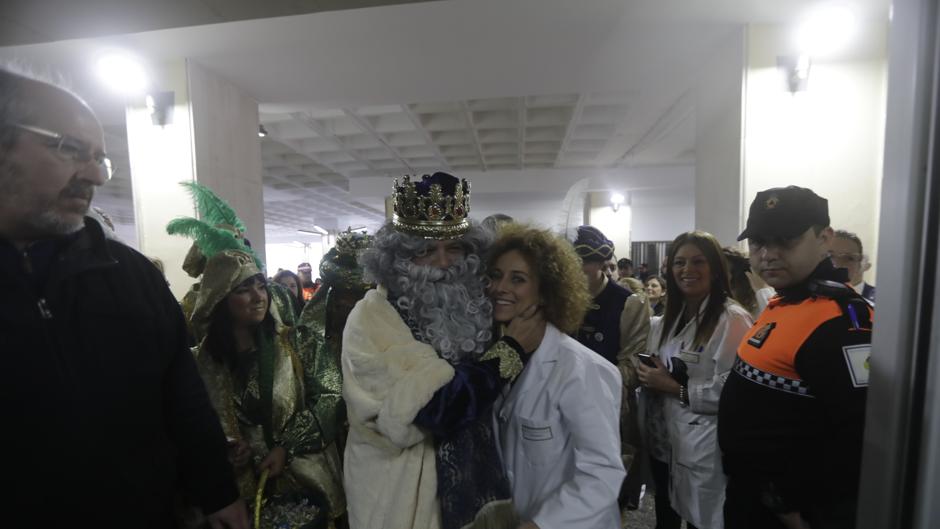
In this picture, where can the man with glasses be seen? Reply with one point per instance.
(846, 252)
(105, 416)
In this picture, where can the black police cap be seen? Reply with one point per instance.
(785, 213)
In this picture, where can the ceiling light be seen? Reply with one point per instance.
(262, 132)
(122, 73)
(827, 30)
(315, 231)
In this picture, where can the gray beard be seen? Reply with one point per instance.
(447, 309)
(41, 217)
(52, 223)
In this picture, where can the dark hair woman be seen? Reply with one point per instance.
(692, 350)
(741, 289)
(278, 403)
(563, 414)
(656, 293)
(291, 282)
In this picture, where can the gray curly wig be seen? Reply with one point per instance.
(445, 308)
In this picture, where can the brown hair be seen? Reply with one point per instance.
(741, 289)
(562, 285)
(720, 287)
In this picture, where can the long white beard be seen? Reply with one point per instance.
(447, 309)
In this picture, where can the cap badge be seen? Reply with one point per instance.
(771, 203)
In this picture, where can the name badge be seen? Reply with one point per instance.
(690, 357)
(761, 335)
(858, 359)
(530, 433)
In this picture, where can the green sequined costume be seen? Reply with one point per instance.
(322, 321)
(284, 392)
(297, 410)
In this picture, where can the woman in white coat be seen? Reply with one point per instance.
(558, 423)
(692, 349)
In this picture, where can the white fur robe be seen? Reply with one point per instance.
(388, 376)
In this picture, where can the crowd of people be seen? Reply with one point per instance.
(442, 373)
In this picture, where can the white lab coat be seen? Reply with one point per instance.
(697, 490)
(559, 437)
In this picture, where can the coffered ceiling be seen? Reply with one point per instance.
(516, 88)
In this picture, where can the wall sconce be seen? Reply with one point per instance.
(262, 132)
(795, 69)
(616, 200)
(826, 31)
(160, 105)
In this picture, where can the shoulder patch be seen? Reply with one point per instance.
(858, 358)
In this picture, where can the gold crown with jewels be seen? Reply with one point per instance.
(434, 208)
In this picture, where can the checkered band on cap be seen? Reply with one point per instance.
(788, 385)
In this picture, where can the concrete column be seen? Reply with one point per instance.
(718, 147)
(228, 149)
(211, 138)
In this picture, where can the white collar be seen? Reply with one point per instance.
(547, 351)
(860, 287)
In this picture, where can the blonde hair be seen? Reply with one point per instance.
(562, 284)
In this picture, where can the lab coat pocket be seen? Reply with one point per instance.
(696, 441)
(541, 440)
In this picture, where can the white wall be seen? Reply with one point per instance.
(615, 225)
(829, 138)
(160, 158)
(661, 204)
(539, 212)
(662, 214)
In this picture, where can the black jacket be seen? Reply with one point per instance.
(792, 411)
(600, 331)
(105, 416)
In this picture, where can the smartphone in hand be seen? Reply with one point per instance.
(647, 359)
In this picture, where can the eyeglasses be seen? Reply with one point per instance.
(71, 148)
(847, 258)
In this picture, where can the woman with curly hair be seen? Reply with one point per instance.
(558, 424)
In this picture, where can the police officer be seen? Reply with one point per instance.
(615, 327)
(792, 412)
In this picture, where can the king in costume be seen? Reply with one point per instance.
(421, 370)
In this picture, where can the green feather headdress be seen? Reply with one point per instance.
(206, 231)
(212, 209)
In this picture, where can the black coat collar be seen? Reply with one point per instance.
(58, 257)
